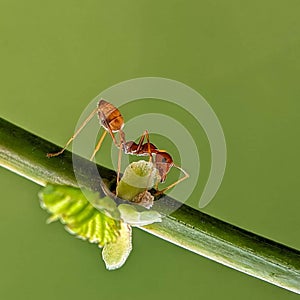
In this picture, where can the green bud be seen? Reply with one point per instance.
(138, 177)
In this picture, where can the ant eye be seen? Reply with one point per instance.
(164, 160)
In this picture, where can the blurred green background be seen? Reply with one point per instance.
(243, 57)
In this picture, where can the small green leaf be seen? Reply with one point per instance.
(70, 206)
(115, 254)
(138, 177)
(100, 220)
(130, 215)
(108, 205)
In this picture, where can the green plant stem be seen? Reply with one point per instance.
(25, 154)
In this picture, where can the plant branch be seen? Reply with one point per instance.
(25, 154)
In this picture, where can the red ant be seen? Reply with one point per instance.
(112, 121)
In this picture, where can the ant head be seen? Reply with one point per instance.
(163, 163)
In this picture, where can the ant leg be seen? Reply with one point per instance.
(113, 138)
(148, 143)
(186, 175)
(75, 134)
(139, 146)
(141, 141)
(120, 145)
(119, 165)
(98, 145)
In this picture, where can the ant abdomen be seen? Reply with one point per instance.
(109, 116)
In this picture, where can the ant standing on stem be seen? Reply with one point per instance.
(112, 121)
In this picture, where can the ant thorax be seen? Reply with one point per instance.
(130, 148)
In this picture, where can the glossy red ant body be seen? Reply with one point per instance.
(112, 121)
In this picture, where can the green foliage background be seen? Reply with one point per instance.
(243, 57)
